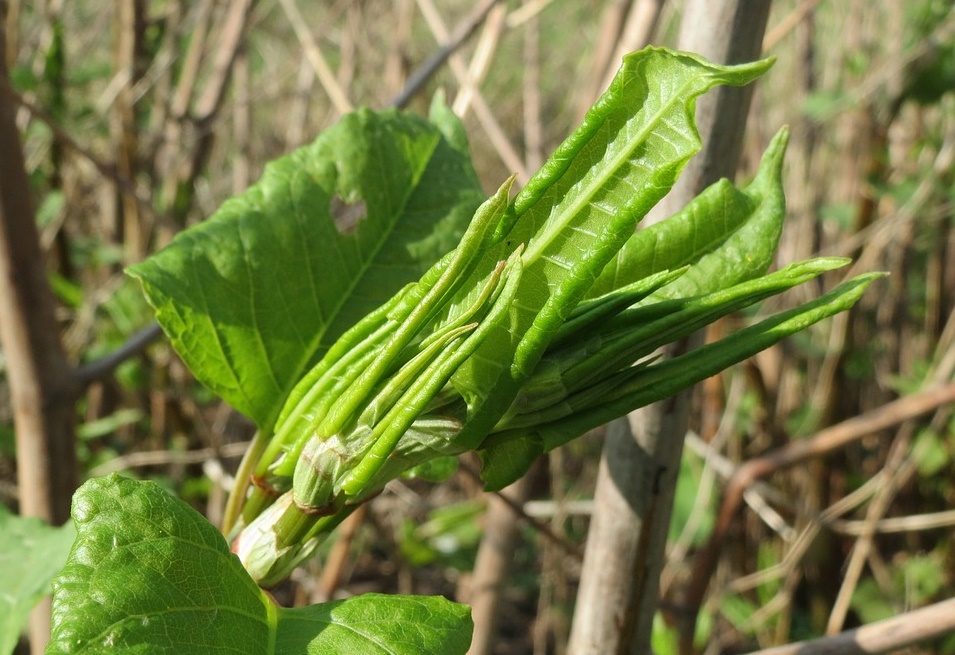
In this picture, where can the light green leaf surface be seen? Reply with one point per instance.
(31, 553)
(148, 574)
(255, 295)
(583, 205)
(726, 235)
(376, 624)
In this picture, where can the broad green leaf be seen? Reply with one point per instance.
(507, 461)
(438, 469)
(376, 624)
(255, 295)
(148, 574)
(31, 553)
(583, 205)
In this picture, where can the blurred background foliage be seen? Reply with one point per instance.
(139, 117)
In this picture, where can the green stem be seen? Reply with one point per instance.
(243, 477)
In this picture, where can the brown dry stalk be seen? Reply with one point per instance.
(492, 127)
(128, 28)
(313, 53)
(826, 441)
(899, 466)
(788, 24)
(41, 381)
(338, 557)
(206, 110)
(493, 563)
(481, 61)
(639, 30)
(450, 43)
(533, 130)
(518, 509)
(107, 170)
(637, 480)
(611, 24)
(880, 637)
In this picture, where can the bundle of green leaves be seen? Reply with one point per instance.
(383, 349)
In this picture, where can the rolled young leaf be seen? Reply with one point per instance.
(726, 235)
(505, 454)
(583, 205)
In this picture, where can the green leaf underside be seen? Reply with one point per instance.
(582, 206)
(148, 574)
(31, 553)
(255, 295)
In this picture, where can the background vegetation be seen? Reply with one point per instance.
(139, 117)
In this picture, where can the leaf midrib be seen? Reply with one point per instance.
(315, 343)
(586, 196)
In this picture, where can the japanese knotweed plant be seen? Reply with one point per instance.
(383, 349)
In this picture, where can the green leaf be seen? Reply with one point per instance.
(728, 235)
(148, 574)
(438, 469)
(688, 499)
(254, 296)
(931, 452)
(376, 624)
(663, 379)
(507, 461)
(583, 205)
(31, 553)
(635, 387)
(870, 603)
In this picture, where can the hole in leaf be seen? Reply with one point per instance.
(347, 215)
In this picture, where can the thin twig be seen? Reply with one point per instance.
(495, 133)
(897, 524)
(788, 24)
(100, 368)
(165, 457)
(535, 524)
(315, 57)
(462, 32)
(107, 170)
(901, 466)
(800, 545)
(481, 61)
(826, 441)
